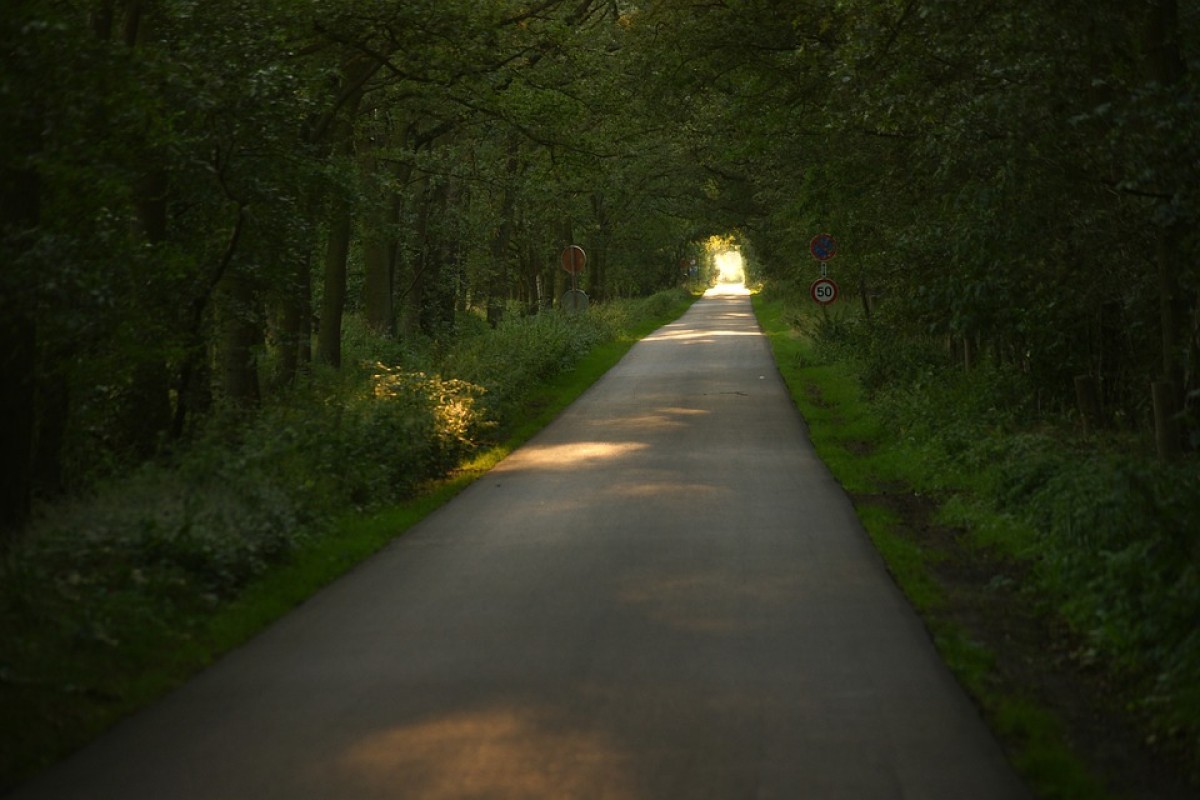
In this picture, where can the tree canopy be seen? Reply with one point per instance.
(192, 195)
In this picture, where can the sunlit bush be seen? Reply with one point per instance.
(458, 415)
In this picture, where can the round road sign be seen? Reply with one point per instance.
(823, 246)
(573, 259)
(824, 291)
(573, 301)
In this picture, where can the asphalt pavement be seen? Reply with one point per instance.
(663, 595)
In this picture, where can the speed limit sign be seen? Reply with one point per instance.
(824, 291)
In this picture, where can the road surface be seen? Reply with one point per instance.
(663, 595)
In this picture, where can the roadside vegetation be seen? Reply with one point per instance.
(277, 261)
(112, 598)
(1039, 556)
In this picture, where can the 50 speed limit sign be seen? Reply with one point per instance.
(824, 291)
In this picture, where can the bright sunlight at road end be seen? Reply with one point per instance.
(730, 267)
(731, 273)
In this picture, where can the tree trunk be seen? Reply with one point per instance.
(337, 251)
(147, 411)
(293, 329)
(441, 276)
(337, 248)
(294, 338)
(18, 342)
(102, 20)
(1166, 66)
(148, 404)
(498, 278)
(414, 299)
(413, 305)
(20, 214)
(135, 28)
(304, 314)
(239, 336)
(864, 291)
(1172, 306)
(194, 391)
(380, 245)
(379, 262)
(969, 352)
(333, 133)
(53, 401)
(597, 265)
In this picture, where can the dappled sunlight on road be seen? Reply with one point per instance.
(716, 322)
(709, 336)
(498, 753)
(713, 601)
(573, 455)
(666, 418)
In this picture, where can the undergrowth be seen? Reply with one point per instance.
(1112, 535)
(108, 599)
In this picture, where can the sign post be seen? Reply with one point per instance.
(823, 290)
(573, 261)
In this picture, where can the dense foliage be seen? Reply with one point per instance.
(1014, 190)
(207, 207)
(106, 591)
(195, 194)
(1108, 533)
(1054, 571)
(1017, 179)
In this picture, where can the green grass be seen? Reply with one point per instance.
(867, 457)
(127, 655)
(906, 560)
(851, 439)
(1044, 757)
(988, 528)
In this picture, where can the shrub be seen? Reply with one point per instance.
(1117, 543)
(1121, 541)
(104, 593)
(523, 351)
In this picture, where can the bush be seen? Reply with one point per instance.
(212, 535)
(247, 491)
(1118, 534)
(1121, 540)
(193, 531)
(523, 351)
(102, 591)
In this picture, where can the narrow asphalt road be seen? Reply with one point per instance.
(663, 595)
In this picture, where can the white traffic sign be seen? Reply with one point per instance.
(824, 291)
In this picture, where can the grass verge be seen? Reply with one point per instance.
(113, 665)
(880, 473)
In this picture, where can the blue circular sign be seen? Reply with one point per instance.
(823, 246)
